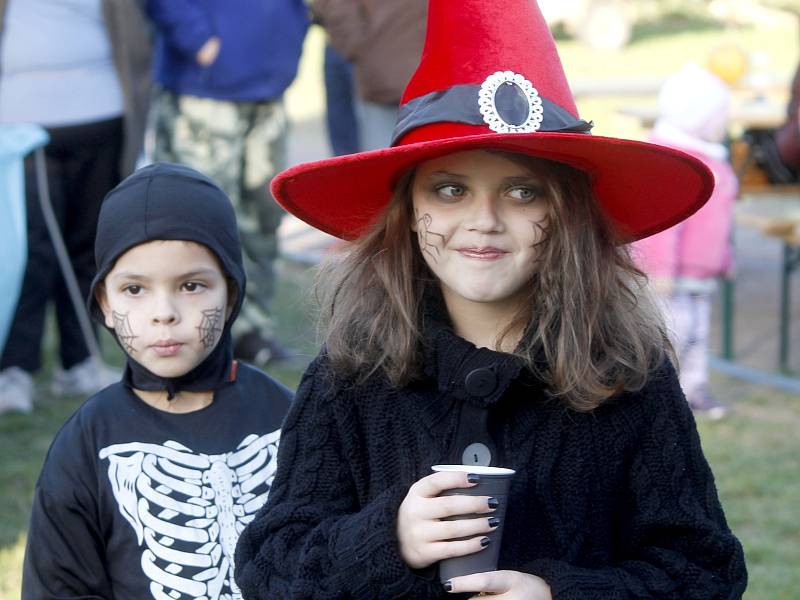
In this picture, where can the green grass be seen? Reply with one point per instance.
(755, 456)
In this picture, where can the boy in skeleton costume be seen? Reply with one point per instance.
(147, 486)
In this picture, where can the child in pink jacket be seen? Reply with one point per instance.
(684, 261)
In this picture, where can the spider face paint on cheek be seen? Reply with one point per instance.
(125, 335)
(429, 241)
(539, 231)
(210, 327)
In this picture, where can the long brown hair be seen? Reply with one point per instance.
(591, 328)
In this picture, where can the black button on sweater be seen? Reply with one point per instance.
(480, 382)
(616, 503)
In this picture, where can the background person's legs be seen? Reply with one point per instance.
(241, 146)
(202, 133)
(375, 124)
(23, 347)
(258, 213)
(82, 166)
(695, 313)
(689, 319)
(90, 168)
(340, 114)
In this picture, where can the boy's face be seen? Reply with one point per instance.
(168, 303)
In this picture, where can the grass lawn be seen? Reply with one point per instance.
(755, 454)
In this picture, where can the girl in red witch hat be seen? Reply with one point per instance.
(487, 313)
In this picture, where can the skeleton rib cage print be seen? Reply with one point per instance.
(188, 509)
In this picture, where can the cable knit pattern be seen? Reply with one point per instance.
(616, 503)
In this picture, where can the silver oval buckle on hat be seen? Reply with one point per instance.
(510, 104)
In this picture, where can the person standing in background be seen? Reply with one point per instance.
(79, 68)
(684, 261)
(222, 67)
(383, 39)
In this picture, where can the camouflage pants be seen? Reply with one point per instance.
(241, 146)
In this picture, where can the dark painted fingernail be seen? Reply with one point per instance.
(485, 542)
(448, 586)
(493, 502)
(494, 522)
(473, 477)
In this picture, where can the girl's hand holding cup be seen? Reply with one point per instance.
(424, 538)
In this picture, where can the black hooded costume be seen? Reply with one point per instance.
(134, 502)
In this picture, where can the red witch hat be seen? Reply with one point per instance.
(490, 77)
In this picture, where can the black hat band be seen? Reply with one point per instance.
(506, 102)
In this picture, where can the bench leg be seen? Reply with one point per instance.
(728, 287)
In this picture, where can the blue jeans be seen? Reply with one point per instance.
(341, 117)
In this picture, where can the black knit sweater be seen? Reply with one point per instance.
(615, 503)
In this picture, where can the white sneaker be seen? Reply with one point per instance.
(84, 379)
(16, 390)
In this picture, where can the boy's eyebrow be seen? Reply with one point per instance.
(130, 275)
(198, 273)
(186, 275)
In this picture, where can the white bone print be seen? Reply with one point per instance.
(188, 510)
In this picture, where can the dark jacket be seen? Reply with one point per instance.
(616, 503)
(133, 500)
(131, 52)
(260, 46)
(383, 39)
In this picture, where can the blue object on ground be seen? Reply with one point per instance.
(16, 141)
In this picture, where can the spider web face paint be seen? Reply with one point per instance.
(539, 232)
(427, 238)
(122, 328)
(210, 327)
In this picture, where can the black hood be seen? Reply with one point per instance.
(165, 201)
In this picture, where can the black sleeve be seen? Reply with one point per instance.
(314, 539)
(677, 544)
(65, 555)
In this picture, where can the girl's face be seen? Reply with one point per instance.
(479, 217)
(167, 302)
